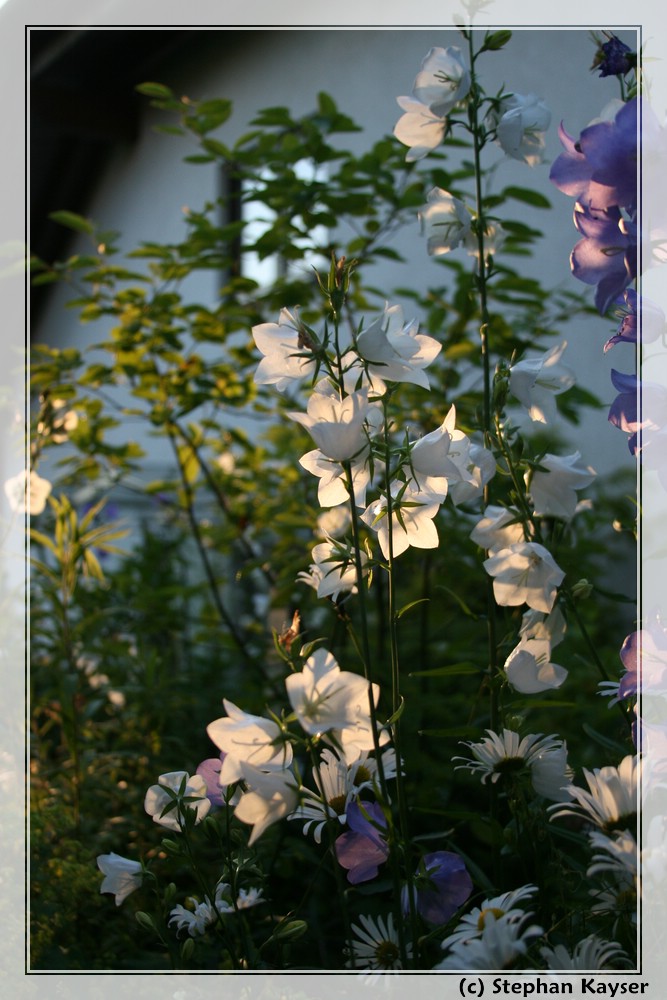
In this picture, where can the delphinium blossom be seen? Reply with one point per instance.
(27, 493)
(175, 793)
(600, 171)
(288, 351)
(591, 953)
(542, 758)
(614, 57)
(441, 84)
(248, 739)
(394, 351)
(363, 847)
(528, 667)
(441, 885)
(607, 254)
(324, 697)
(375, 945)
(525, 573)
(121, 875)
(520, 122)
(445, 222)
(629, 305)
(535, 382)
(553, 492)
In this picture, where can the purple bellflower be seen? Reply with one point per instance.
(623, 411)
(600, 168)
(362, 849)
(442, 884)
(607, 254)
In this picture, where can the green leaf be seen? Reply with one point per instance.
(155, 90)
(72, 221)
(527, 196)
(611, 745)
(397, 714)
(454, 670)
(412, 604)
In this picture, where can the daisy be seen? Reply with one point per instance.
(472, 924)
(619, 857)
(376, 945)
(335, 784)
(591, 953)
(611, 802)
(543, 757)
(500, 943)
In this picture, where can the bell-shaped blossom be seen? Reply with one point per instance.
(525, 573)
(443, 81)
(324, 697)
(270, 796)
(498, 528)
(333, 570)
(599, 169)
(441, 885)
(439, 458)
(287, 351)
(121, 875)
(529, 670)
(334, 523)
(419, 128)
(520, 123)
(395, 351)
(248, 739)
(553, 492)
(444, 221)
(363, 848)
(177, 791)
(528, 667)
(216, 793)
(332, 486)
(337, 426)
(654, 325)
(535, 382)
(607, 254)
(476, 470)
(27, 492)
(412, 514)
(494, 239)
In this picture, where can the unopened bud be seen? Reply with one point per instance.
(582, 589)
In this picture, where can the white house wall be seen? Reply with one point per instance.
(145, 188)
